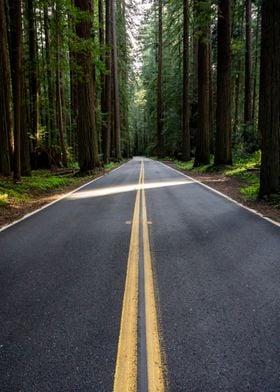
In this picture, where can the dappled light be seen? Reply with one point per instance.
(124, 188)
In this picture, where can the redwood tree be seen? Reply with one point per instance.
(86, 127)
(105, 129)
(5, 95)
(223, 153)
(186, 153)
(202, 154)
(116, 92)
(269, 103)
(32, 71)
(16, 73)
(248, 66)
(159, 123)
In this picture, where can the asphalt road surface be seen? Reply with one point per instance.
(144, 264)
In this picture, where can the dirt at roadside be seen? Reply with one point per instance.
(230, 186)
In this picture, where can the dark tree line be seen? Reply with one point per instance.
(219, 61)
(209, 83)
(60, 84)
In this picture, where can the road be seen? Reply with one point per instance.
(143, 279)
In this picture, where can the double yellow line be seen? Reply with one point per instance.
(126, 365)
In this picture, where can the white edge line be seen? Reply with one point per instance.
(57, 200)
(223, 195)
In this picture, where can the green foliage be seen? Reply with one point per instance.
(184, 165)
(41, 181)
(111, 165)
(198, 169)
(245, 168)
(250, 192)
(204, 15)
(243, 163)
(3, 199)
(144, 112)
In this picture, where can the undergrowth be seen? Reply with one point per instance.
(41, 181)
(29, 186)
(244, 167)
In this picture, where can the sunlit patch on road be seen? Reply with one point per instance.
(125, 188)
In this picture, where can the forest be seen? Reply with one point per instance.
(86, 82)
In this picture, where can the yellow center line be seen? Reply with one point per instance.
(126, 365)
(154, 359)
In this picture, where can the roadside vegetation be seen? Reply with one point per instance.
(30, 187)
(42, 183)
(245, 167)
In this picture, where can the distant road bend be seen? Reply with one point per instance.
(143, 280)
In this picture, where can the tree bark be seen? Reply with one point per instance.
(24, 138)
(32, 72)
(50, 97)
(195, 55)
(86, 128)
(211, 100)
(248, 66)
(159, 84)
(256, 66)
(125, 81)
(117, 123)
(105, 79)
(269, 101)
(186, 150)
(237, 83)
(5, 96)
(223, 150)
(202, 154)
(59, 98)
(16, 73)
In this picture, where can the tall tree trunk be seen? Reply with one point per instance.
(238, 81)
(248, 66)
(195, 55)
(43, 104)
(24, 139)
(236, 99)
(73, 94)
(107, 123)
(16, 73)
(159, 85)
(50, 97)
(202, 154)
(74, 103)
(32, 72)
(256, 66)
(269, 103)
(186, 149)
(124, 103)
(117, 122)
(73, 89)
(223, 152)
(5, 96)
(86, 128)
(211, 100)
(105, 129)
(59, 98)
